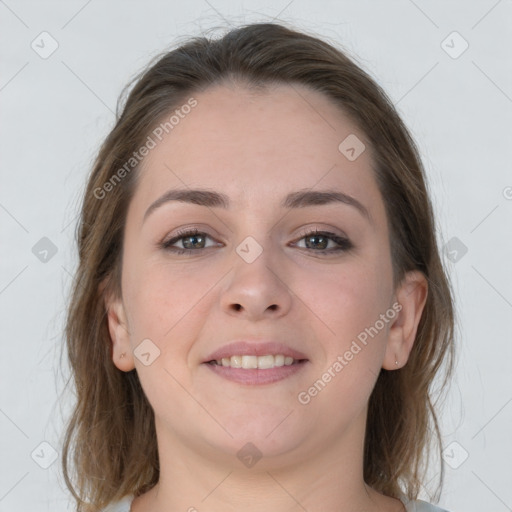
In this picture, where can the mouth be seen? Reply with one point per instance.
(257, 363)
(251, 375)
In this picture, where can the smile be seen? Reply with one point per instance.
(248, 362)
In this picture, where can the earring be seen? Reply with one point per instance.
(396, 362)
(124, 353)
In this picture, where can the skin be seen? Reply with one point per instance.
(256, 148)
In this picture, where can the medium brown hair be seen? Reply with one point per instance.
(110, 446)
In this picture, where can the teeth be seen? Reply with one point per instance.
(265, 362)
(260, 362)
(236, 362)
(249, 362)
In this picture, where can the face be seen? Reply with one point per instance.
(270, 273)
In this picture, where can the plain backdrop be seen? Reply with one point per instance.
(448, 68)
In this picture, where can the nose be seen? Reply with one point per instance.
(257, 290)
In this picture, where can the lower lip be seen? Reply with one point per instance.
(255, 376)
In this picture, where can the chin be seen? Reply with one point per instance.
(268, 434)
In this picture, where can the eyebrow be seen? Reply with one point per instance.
(298, 199)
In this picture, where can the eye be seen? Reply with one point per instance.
(318, 241)
(322, 243)
(191, 240)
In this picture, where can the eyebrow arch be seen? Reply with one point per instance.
(298, 199)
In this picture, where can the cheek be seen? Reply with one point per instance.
(350, 299)
(354, 300)
(165, 306)
(359, 312)
(168, 304)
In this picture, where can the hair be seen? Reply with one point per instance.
(110, 445)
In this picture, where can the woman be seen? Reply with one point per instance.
(260, 306)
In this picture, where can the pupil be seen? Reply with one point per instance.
(316, 237)
(186, 242)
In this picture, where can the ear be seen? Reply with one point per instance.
(411, 297)
(122, 355)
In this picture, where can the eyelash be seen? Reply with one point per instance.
(344, 244)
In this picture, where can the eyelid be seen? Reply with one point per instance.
(330, 230)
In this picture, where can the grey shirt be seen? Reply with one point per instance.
(410, 506)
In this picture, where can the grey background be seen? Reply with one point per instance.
(56, 110)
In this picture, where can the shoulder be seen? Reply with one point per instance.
(422, 506)
(120, 506)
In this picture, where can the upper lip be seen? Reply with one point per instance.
(254, 348)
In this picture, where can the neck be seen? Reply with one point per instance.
(328, 480)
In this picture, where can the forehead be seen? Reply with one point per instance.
(257, 145)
